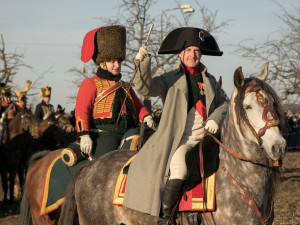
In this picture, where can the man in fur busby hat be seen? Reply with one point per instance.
(193, 101)
(101, 120)
(44, 109)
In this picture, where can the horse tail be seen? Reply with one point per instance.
(68, 214)
(25, 214)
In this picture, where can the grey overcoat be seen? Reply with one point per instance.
(149, 170)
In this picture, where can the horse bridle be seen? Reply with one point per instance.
(273, 122)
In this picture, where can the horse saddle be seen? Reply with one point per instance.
(199, 194)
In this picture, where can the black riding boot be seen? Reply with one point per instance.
(170, 195)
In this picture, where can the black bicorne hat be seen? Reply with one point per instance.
(184, 37)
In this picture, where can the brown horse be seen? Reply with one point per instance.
(56, 132)
(21, 129)
(68, 131)
(32, 192)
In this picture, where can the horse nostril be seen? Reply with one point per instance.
(279, 149)
(276, 149)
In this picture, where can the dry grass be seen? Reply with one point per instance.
(287, 202)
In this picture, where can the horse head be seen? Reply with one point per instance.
(63, 122)
(29, 123)
(23, 122)
(259, 114)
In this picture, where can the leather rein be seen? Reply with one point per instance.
(274, 121)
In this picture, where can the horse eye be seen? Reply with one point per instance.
(246, 107)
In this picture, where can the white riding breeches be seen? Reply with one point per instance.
(194, 131)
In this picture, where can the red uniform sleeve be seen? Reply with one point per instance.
(84, 106)
(140, 108)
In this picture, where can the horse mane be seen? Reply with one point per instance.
(240, 112)
(15, 120)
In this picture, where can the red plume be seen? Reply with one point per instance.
(88, 46)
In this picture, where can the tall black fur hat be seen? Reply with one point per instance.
(45, 92)
(184, 37)
(104, 44)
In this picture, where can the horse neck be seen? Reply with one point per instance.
(46, 124)
(253, 177)
(14, 127)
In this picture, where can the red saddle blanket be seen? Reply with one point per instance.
(193, 200)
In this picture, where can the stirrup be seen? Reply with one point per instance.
(194, 218)
(163, 221)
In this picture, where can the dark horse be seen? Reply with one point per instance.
(56, 132)
(253, 141)
(22, 128)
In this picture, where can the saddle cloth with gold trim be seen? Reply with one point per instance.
(193, 200)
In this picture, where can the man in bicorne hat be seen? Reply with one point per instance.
(102, 116)
(193, 102)
(44, 109)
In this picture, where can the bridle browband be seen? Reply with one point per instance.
(273, 122)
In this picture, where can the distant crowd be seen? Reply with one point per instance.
(292, 133)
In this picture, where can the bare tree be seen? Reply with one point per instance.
(283, 53)
(11, 63)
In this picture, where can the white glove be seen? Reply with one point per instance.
(86, 144)
(211, 126)
(150, 122)
(3, 115)
(142, 53)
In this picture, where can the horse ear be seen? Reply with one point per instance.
(264, 72)
(238, 77)
(220, 82)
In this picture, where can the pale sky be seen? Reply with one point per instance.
(50, 34)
